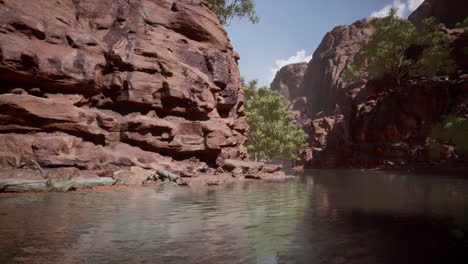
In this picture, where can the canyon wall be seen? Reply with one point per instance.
(368, 123)
(105, 84)
(323, 84)
(448, 12)
(288, 81)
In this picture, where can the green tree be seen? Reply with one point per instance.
(453, 131)
(386, 53)
(227, 10)
(462, 24)
(272, 130)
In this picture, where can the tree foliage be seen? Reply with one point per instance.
(462, 24)
(399, 49)
(453, 131)
(227, 10)
(272, 130)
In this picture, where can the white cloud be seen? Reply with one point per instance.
(404, 8)
(299, 57)
(384, 11)
(414, 4)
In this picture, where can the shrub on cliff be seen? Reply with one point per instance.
(462, 24)
(400, 49)
(272, 130)
(452, 131)
(227, 10)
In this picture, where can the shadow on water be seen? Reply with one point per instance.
(320, 217)
(382, 217)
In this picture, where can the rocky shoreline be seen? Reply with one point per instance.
(72, 179)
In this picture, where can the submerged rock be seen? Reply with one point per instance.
(26, 185)
(23, 185)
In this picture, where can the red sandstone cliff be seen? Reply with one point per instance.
(368, 124)
(99, 85)
(448, 12)
(288, 81)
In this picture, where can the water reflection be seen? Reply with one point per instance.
(322, 217)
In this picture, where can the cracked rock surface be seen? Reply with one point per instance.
(98, 84)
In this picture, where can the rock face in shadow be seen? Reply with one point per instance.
(375, 125)
(448, 12)
(94, 84)
(369, 123)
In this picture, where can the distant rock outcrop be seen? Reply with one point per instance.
(448, 12)
(288, 81)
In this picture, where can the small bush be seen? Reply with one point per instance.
(452, 131)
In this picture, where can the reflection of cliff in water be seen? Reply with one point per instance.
(387, 192)
(376, 217)
(322, 217)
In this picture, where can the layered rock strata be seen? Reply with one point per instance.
(102, 85)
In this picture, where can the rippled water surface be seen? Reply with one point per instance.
(321, 217)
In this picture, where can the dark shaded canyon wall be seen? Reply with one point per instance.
(448, 12)
(368, 123)
(99, 83)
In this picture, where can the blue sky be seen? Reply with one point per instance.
(291, 30)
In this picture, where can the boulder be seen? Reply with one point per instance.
(166, 175)
(245, 166)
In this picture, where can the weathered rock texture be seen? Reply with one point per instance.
(101, 84)
(387, 127)
(288, 81)
(377, 126)
(448, 12)
(324, 87)
(370, 124)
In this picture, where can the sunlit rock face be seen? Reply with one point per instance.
(323, 85)
(448, 12)
(99, 83)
